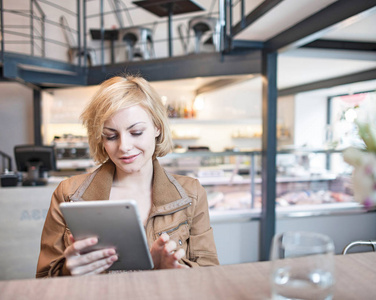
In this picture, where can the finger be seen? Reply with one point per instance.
(79, 246)
(100, 269)
(163, 239)
(170, 246)
(180, 266)
(95, 267)
(71, 238)
(89, 258)
(178, 255)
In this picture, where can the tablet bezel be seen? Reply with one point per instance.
(109, 220)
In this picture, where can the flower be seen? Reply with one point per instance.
(364, 175)
(364, 159)
(367, 132)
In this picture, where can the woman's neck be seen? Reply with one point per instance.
(141, 179)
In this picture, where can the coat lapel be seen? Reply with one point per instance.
(168, 194)
(100, 186)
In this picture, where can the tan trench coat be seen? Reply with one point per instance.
(179, 208)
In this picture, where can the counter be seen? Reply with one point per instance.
(355, 278)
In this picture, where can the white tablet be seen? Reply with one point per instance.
(117, 224)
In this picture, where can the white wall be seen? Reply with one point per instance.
(310, 120)
(310, 111)
(61, 111)
(16, 117)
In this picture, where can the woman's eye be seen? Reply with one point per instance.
(136, 133)
(110, 137)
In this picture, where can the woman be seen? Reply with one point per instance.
(127, 129)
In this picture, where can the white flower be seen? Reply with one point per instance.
(353, 156)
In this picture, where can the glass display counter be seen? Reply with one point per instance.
(233, 179)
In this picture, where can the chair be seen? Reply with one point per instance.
(370, 243)
(203, 26)
(73, 50)
(138, 41)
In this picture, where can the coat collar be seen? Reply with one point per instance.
(166, 190)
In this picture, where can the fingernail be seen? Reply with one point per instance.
(94, 241)
(179, 254)
(165, 237)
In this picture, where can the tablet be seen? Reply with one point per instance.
(117, 224)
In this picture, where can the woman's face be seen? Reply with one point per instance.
(129, 139)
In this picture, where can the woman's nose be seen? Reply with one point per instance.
(125, 143)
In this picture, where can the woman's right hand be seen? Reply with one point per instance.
(94, 262)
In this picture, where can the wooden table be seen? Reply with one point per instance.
(111, 35)
(355, 275)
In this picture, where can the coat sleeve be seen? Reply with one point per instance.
(54, 240)
(202, 249)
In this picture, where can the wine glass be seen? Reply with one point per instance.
(302, 266)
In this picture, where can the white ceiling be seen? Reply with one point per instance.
(301, 66)
(280, 18)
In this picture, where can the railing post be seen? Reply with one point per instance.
(32, 27)
(102, 36)
(79, 36)
(37, 106)
(222, 21)
(229, 26)
(43, 36)
(225, 17)
(242, 13)
(269, 151)
(2, 30)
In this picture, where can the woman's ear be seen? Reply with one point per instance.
(157, 132)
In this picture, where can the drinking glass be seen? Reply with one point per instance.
(302, 266)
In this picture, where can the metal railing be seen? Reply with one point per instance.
(35, 30)
(37, 14)
(29, 26)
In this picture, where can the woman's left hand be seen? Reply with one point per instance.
(164, 254)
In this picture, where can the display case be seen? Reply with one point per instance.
(232, 180)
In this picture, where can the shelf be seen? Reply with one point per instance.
(247, 137)
(185, 138)
(238, 179)
(214, 122)
(297, 211)
(174, 155)
(62, 164)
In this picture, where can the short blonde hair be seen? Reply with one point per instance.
(116, 94)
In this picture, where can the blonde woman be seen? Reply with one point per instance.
(127, 130)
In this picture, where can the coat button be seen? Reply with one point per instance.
(180, 242)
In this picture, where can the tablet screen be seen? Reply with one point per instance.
(117, 224)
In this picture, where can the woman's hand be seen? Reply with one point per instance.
(93, 262)
(164, 255)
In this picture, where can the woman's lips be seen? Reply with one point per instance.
(128, 159)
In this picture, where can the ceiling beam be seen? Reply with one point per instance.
(35, 61)
(338, 14)
(328, 83)
(44, 78)
(219, 84)
(244, 44)
(341, 45)
(194, 65)
(254, 15)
